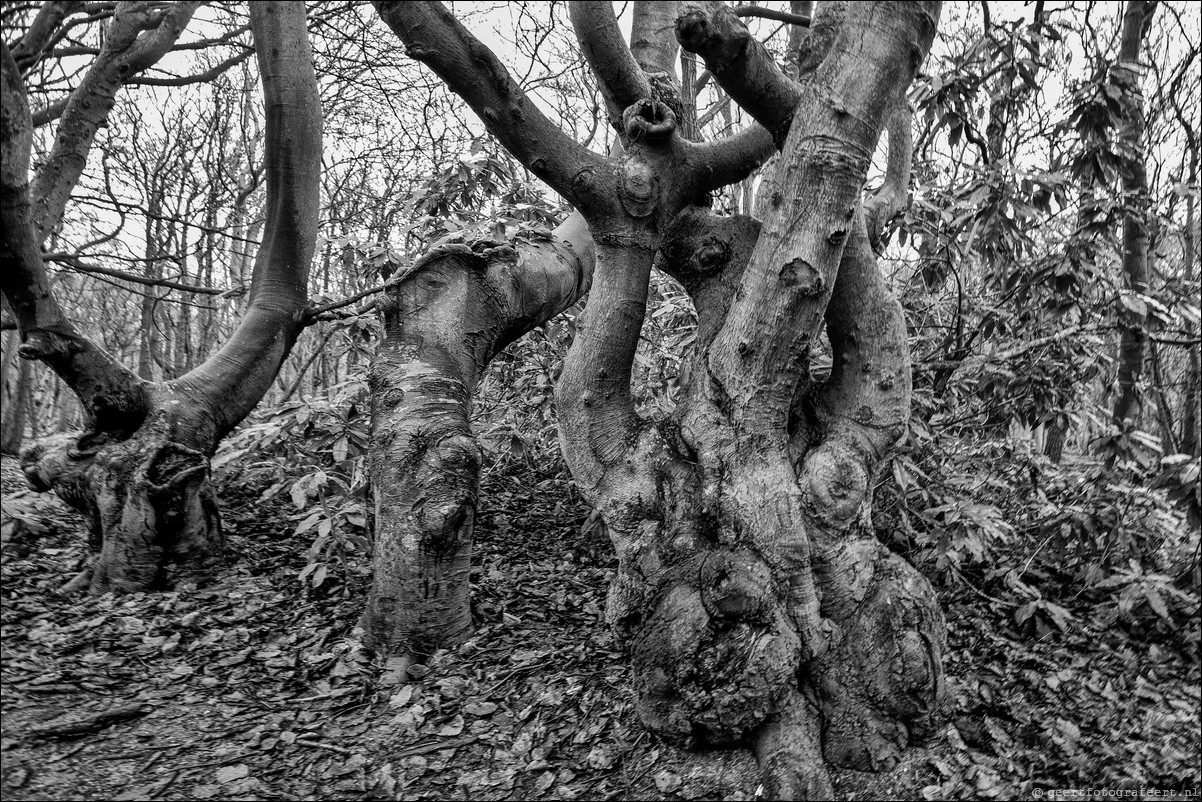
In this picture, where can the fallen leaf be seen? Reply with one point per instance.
(480, 708)
(229, 774)
(602, 757)
(401, 697)
(667, 781)
(452, 727)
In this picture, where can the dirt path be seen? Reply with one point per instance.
(254, 688)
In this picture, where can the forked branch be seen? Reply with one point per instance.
(235, 378)
(743, 66)
(621, 79)
(433, 36)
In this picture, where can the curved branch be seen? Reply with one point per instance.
(743, 66)
(32, 47)
(234, 379)
(893, 196)
(137, 37)
(731, 159)
(434, 37)
(111, 394)
(619, 76)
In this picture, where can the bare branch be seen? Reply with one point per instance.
(109, 391)
(128, 49)
(743, 66)
(235, 378)
(893, 196)
(621, 79)
(50, 113)
(32, 47)
(802, 20)
(731, 159)
(75, 263)
(199, 78)
(651, 41)
(433, 36)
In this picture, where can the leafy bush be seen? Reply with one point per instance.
(313, 451)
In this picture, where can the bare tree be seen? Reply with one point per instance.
(139, 471)
(755, 600)
(1127, 74)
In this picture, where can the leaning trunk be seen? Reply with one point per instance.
(139, 472)
(443, 324)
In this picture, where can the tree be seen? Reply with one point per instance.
(755, 600)
(139, 471)
(1127, 75)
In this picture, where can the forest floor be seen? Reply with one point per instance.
(255, 687)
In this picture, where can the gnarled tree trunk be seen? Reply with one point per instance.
(755, 601)
(443, 323)
(140, 471)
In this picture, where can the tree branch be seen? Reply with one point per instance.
(893, 196)
(733, 158)
(802, 20)
(619, 76)
(434, 37)
(76, 263)
(651, 41)
(30, 50)
(234, 379)
(127, 50)
(110, 393)
(743, 66)
(203, 77)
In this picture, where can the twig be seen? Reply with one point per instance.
(67, 754)
(320, 745)
(92, 723)
(454, 743)
(163, 786)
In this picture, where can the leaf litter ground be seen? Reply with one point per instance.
(254, 688)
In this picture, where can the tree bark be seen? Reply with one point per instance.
(18, 390)
(754, 599)
(444, 322)
(139, 472)
(1128, 74)
(1191, 410)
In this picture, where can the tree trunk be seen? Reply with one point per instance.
(1128, 74)
(1057, 433)
(443, 324)
(1191, 412)
(754, 599)
(18, 391)
(139, 472)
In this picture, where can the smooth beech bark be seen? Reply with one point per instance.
(756, 603)
(461, 305)
(140, 471)
(455, 311)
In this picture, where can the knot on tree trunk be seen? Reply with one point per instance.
(716, 653)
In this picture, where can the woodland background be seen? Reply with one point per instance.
(1065, 546)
